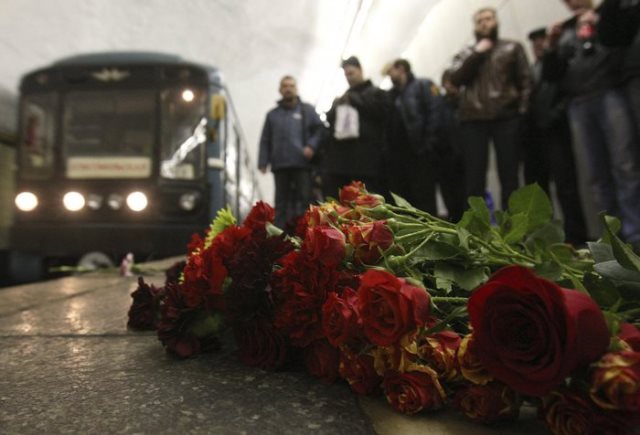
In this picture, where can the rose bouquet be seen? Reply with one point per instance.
(475, 316)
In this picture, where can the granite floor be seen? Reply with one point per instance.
(69, 365)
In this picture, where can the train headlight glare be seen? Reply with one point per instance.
(115, 201)
(26, 201)
(137, 201)
(94, 202)
(73, 201)
(189, 201)
(188, 95)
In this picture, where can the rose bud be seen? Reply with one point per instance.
(369, 240)
(615, 381)
(488, 403)
(413, 391)
(469, 362)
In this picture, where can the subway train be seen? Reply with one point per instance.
(122, 152)
(8, 116)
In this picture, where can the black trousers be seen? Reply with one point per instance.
(413, 177)
(548, 155)
(475, 137)
(293, 194)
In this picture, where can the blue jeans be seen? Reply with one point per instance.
(603, 128)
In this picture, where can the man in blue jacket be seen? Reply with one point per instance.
(290, 138)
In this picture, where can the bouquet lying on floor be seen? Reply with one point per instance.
(475, 316)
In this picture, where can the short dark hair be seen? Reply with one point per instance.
(537, 33)
(404, 63)
(494, 11)
(351, 60)
(287, 77)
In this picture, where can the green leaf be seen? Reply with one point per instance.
(457, 312)
(516, 228)
(614, 271)
(612, 223)
(623, 252)
(476, 219)
(601, 290)
(223, 220)
(401, 202)
(533, 202)
(463, 237)
(601, 251)
(550, 270)
(467, 279)
(550, 233)
(435, 250)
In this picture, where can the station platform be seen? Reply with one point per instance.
(68, 364)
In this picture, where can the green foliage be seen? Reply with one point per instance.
(224, 219)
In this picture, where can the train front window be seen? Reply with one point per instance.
(37, 136)
(184, 126)
(109, 134)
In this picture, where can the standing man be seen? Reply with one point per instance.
(548, 151)
(413, 126)
(600, 117)
(290, 137)
(494, 79)
(357, 125)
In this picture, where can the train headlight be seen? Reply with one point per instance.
(137, 201)
(188, 95)
(94, 202)
(73, 201)
(115, 201)
(26, 201)
(189, 201)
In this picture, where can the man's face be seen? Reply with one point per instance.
(450, 88)
(353, 74)
(396, 74)
(485, 24)
(288, 89)
(576, 5)
(537, 46)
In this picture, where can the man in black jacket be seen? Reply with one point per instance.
(601, 120)
(290, 137)
(358, 157)
(413, 127)
(548, 152)
(494, 78)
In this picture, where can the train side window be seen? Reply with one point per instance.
(37, 136)
(184, 133)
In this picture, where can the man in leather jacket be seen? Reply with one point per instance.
(494, 78)
(357, 158)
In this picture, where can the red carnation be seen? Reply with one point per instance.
(145, 307)
(390, 307)
(531, 334)
(260, 345)
(260, 214)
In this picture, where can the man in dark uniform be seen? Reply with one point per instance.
(359, 156)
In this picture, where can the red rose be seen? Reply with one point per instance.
(615, 381)
(260, 345)
(631, 335)
(569, 413)
(357, 194)
(469, 362)
(369, 240)
(414, 391)
(260, 214)
(340, 317)
(322, 360)
(326, 245)
(438, 351)
(531, 334)
(359, 371)
(487, 403)
(390, 307)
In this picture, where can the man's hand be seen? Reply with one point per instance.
(308, 152)
(553, 35)
(483, 45)
(263, 169)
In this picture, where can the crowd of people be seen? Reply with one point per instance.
(581, 92)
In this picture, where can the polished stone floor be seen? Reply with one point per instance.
(69, 365)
